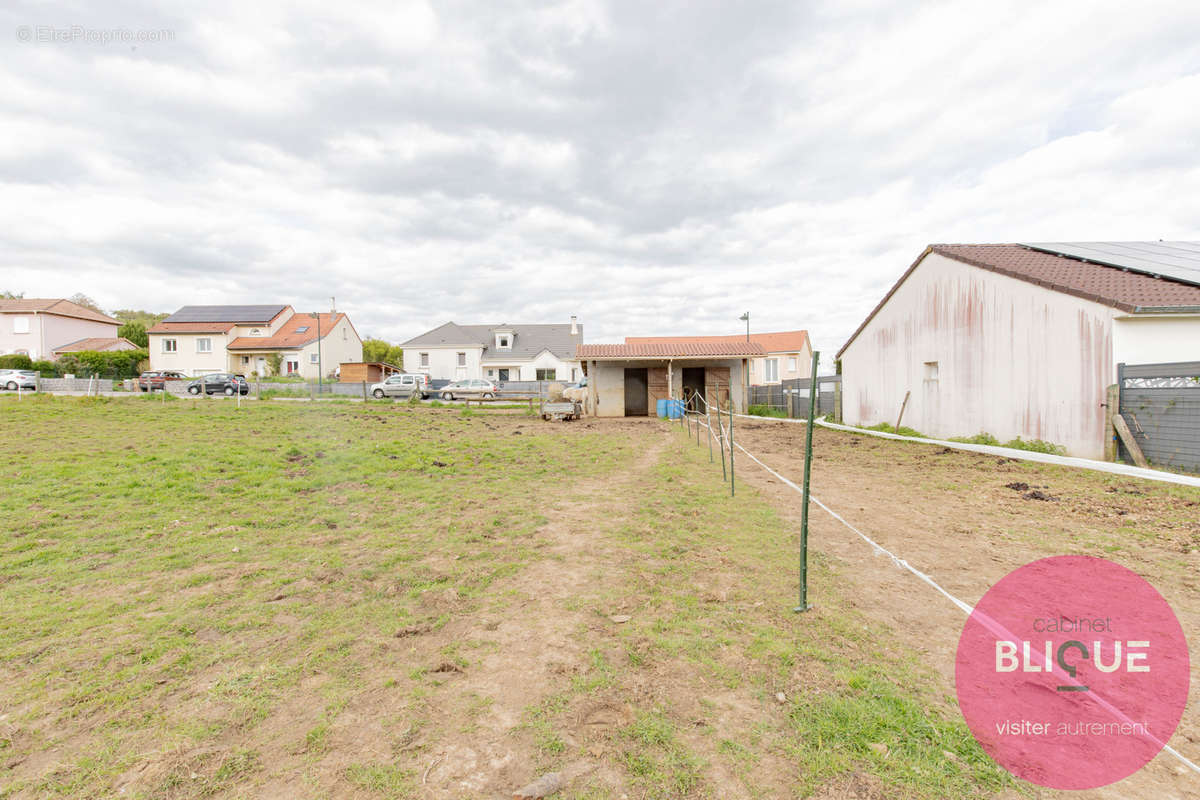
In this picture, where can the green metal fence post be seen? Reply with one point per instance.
(808, 429)
(731, 490)
(721, 433)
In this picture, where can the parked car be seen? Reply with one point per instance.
(471, 388)
(157, 379)
(220, 383)
(13, 379)
(404, 384)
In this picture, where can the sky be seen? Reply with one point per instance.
(653, 168)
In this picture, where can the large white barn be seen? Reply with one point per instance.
(1021, 339)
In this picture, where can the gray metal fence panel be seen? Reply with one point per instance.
(1161, 405)
(791, 396)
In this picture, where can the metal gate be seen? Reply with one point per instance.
(1161, 406)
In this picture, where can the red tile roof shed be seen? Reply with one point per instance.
(670, 349)
(777, 342)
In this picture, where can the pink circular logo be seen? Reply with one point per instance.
(1072, 672)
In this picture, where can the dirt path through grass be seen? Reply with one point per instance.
(967, 520)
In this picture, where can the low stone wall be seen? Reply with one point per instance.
(75, 384)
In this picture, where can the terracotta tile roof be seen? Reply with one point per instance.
(778, 342)
(191, 327)
(62, 308)
(1132, 292)
(289, 336)
(1128, 291)
(671, 349)
(97, 344)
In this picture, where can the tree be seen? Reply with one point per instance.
(7, 295)
(134, 332)
(79, 298)
(275, 363)
(375, 350)
(148, 318)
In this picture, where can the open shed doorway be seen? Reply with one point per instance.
(637, 396)
(693, 384)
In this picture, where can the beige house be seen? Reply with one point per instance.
(199, 340)
(788, 354)
(38, 327)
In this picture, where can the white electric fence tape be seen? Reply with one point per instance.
(879, 550)
(1005, 452)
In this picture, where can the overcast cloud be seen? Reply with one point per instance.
(654, 168)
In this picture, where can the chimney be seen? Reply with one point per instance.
(574, 325)
(333, 305)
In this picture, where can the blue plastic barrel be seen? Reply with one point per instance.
(674, 408)
(662, 407)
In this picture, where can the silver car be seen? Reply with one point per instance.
(472, 388)
(13, 379)
(402, 385)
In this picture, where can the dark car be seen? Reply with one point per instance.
(220, 383)
(156, 380)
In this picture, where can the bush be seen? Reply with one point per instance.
(15, 361)
(108, 364)
(762, 410)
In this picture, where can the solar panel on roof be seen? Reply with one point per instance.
(1177, 261)
(225, 314)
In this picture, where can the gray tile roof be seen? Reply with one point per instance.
(245, 314)
(528, 340)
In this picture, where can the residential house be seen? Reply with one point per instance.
(628, 380)
(497, 352)
(788, 353)
(37, 327)
(198, 340)
(1021, 339)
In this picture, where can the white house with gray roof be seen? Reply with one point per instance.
(497, 352)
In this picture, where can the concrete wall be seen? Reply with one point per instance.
(1013, 359)
(1154, 339)
(606, 383)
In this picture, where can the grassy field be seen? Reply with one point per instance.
(297, 600)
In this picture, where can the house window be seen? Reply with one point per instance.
(771, 369)
(312, 358)
(546, 374)
(302, 329)
(792, 364)
(170, 345)
(425, 360)
(345, 334)
(245, 359)
(204, 345)
(20, 324)
(491, 373)
(574, 374)
(931, 371)
(462, 359)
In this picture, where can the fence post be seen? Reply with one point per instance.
(364, 383)
(837, 402)
(708, 419)
(731, 444)
(1111, 409)
(808, 429)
